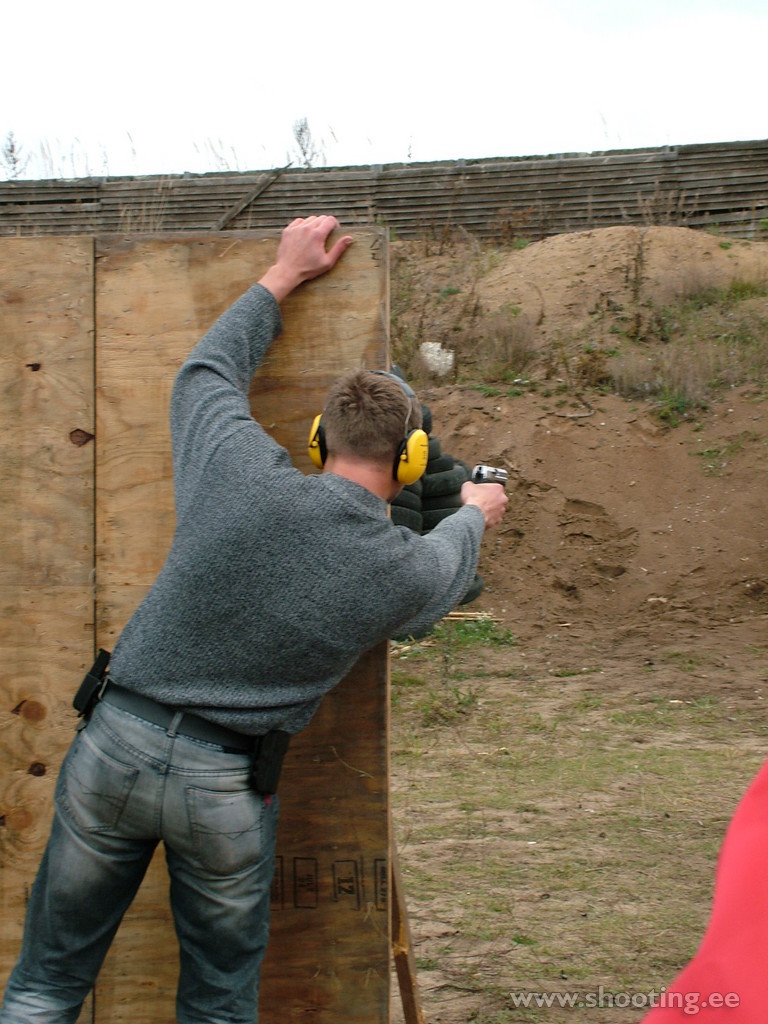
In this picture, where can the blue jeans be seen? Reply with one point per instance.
(124, 786)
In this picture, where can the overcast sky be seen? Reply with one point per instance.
(166, 87)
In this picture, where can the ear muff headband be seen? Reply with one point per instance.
(412, 454)
(318, 452)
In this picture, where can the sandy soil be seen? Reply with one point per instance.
(618, 527)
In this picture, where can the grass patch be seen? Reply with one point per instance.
(700, 344)
(454, 635)
(440, 692)
(715, 461)
(544, 821)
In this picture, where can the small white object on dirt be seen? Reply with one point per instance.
(438, 359)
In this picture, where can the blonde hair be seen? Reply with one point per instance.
(368, 414)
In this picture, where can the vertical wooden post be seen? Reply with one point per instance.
(402, 947)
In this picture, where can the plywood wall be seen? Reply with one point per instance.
(46, 539)
(93, 332)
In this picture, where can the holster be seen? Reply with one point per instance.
(91, 686)
(267, 760)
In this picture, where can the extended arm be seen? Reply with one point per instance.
(210, 395)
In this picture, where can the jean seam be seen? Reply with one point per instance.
(159, 762)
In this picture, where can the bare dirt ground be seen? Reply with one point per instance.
(615, 528)
(625, 540)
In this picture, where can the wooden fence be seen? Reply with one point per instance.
(721, 187)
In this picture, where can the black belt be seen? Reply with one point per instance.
(188, 725)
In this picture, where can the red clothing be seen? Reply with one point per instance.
(726, 982)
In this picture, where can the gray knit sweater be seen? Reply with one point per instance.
(276, 581)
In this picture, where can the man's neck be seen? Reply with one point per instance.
(374, 476)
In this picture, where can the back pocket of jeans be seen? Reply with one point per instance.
(93, 787)
(227, 829)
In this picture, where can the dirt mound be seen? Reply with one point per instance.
(616, 522)
(564, 281)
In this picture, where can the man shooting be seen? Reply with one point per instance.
(275, 584)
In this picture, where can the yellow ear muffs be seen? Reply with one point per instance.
(411, 459)
(316, 448)
(412, 455)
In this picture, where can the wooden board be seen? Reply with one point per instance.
(155, 297)
(46, 541)
(329, 952)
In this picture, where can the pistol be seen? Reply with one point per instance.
(489, 475)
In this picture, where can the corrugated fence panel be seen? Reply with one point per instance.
(721, 186)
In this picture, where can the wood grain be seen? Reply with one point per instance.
(155, 297)
(46, 541)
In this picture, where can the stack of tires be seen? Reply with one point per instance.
(421, 506)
